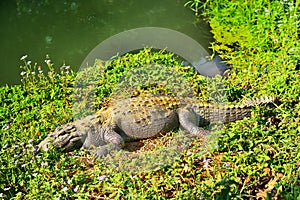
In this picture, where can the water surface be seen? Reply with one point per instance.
(69, 30)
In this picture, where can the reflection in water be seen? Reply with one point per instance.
(69, 30)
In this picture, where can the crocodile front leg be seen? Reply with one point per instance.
(102, 140)
(189, 121)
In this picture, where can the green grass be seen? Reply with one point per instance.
(255, 157)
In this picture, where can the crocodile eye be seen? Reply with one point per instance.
(137, 121)
(116, 111)
(143, 119)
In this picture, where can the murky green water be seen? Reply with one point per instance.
(68, 30)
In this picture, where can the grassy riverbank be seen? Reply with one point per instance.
(260, 40)
(254, 157)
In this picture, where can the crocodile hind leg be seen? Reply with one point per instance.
(102, 140)
(189, 122)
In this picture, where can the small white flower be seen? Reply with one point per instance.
(30, 141)
(15, 146)
(69, 181)
(23, 73)
(65, 189)
(1, 194)
(23, 57)
(24, 165)
(16, 162)
(6, 189)
(47, 61)
(28, 62)
(35, 174)
(132, 177)
(5, 127)
(76, 189)
(44, 164)
(22, 144)
(206, 162)
(101, 178)
(65, 67)
(32, 72)
(6, 145)
(16, 155)
(189, 153)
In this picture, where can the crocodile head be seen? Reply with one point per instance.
(66, 137)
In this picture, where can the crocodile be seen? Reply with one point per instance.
(143, 117)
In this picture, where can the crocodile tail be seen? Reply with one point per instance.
(233, 112)
(228, 113)
(258, 101)
(238, 112)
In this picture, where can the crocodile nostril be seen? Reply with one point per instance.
(36, 149)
